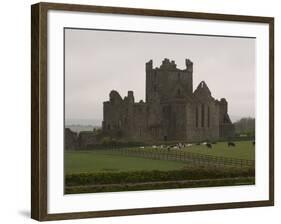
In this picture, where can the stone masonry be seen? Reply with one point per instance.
(171, 111)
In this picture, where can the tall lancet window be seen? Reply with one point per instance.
(202, 115)
(196, 116)
(208, 116)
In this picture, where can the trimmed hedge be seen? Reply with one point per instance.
(157, 186)
(156, 175)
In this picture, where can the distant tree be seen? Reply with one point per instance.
(245, 126)
(106, 141)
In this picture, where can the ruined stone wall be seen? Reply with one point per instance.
(113, 111)
(226, 128)
(70, 139)
(87, 139)
(206, 129)
(172, 110)
(82, 140)
(123, 118)
(173, 120)
(138, 127)
(227, 131)
(202, 115)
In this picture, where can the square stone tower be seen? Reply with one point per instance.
(168, 81)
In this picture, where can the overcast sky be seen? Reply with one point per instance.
(97, 62)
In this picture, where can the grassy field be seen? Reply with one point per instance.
(242, 150)
(99, 161)
(104, 171)
(92, 161)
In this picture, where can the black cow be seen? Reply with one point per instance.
(209, 145)
(231, 144)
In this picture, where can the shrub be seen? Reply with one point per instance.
(105, 141)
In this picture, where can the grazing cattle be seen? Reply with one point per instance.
(188, 145)
(231, 144)
(154, 146)
(204, 143)
(141, 147)
(253, 143)
(180, 145)
(209, 145)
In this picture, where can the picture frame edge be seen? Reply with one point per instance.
(38, 112)
(39, 12)
(154, 12)
(157, 210)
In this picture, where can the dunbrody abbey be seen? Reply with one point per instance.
(171, 111)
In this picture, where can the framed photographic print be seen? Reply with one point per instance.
(141, 111)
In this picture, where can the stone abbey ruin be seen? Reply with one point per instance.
(172, 111)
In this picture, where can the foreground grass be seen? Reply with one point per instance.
(93, 161)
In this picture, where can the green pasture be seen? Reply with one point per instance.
(101, 161)
(93, 161)
(242, 150)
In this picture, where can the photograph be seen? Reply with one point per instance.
(153, 110)
(144, 111)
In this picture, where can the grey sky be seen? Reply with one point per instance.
(97, 62)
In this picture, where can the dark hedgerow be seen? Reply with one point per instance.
(160, 185)
(156, 175)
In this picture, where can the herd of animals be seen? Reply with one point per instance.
(184, 145)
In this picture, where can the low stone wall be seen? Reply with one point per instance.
(70, 139)
(227, 131)
(83, 140)
(87, 139)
